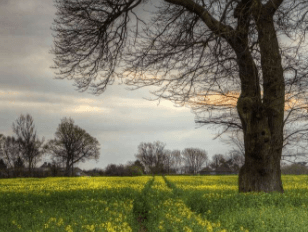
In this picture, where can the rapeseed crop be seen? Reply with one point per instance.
(218, 200)
(169, 213)
(172, 203)
(69, 204)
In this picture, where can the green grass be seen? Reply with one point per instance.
(69, 204)
(181, 203)
(218, 200)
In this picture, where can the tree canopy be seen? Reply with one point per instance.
(30, 147)
(73, 144)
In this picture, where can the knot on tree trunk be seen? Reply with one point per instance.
(244, 107)
(254, 121)
(260, 172)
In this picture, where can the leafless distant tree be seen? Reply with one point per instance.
(206, 54)
(30, 146)
(217, 160)
(237, 158)
(169, 160)
(294, 169)
(2, 165)
(194, 158)
(236, 140)
(73, 144)
(135, 168)
(2, 140)
(116, 170)
(10, 152)
(178, 161)
(234, 160)
(151, 155)
(111, 170)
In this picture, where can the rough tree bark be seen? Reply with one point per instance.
(262, 121)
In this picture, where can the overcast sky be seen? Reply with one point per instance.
(120, 119)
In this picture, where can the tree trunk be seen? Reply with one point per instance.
(72, 173)
(263, 147)
(67, 170)
(30, 169)
(263, 121)
(261, 171)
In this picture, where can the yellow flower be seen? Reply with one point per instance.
(187, 229)
(52, 220)
(68, 228)
(90, 228)
(209, 228)
(60, 222)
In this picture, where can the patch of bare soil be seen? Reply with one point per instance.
(141, 220)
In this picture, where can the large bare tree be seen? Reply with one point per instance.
(197, 49)
(30, 146)
(73, 145)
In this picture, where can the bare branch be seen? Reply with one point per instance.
(217, 27)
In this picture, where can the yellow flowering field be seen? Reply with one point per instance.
(168, 203)
(169, 213)
(218, 200)
(69, 204)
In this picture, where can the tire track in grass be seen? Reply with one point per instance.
(158, 208)
(141, 207)
(190, 220)
(147, 206)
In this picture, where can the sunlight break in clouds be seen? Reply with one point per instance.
(230, 99)
(88, 109)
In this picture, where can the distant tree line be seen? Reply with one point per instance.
(153, 158)
(20, 154)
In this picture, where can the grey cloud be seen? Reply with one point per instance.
(4, 2)
(120, 119)
(29, 17)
